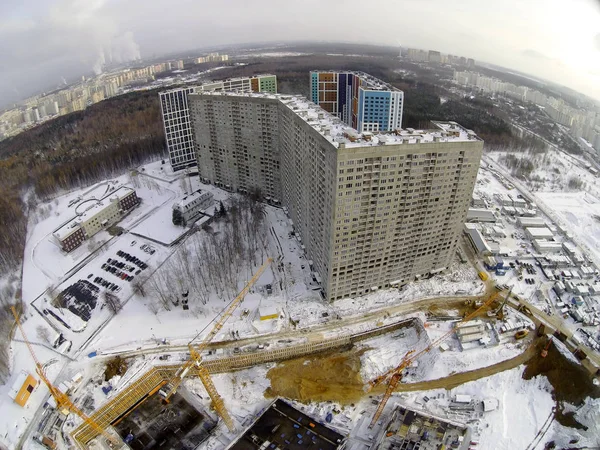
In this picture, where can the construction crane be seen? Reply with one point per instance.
(195, 359)
(395, 374)
(63, 402)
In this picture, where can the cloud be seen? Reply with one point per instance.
(534, 54)
(67, 38)
(47, 39)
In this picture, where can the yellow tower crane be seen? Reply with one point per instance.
(63, 402)
(195, 359)
(395, 375)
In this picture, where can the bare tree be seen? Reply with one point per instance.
(139, 286)
(112, 302)
(42, 333)
(153, 307)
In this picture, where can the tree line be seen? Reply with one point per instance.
(69, 152)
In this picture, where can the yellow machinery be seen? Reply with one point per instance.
(395, 375)
(196, 356)
(63, 402)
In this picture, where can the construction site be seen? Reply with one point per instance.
(157, 411)
(262, 362)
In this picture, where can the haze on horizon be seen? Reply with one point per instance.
(45, 40)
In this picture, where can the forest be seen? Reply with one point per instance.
(72, 151)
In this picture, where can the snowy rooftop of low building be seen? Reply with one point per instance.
(541, 232)
(66, 230)
(92, 209)
(341, 135)
(120, 193)
(190, 198)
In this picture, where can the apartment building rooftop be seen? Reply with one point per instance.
(341, 135)
(374, 84)
(195, 83)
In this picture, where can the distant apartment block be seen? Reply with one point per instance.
(373, 209)
(94, 216)
(212, 57)
(176, 116)
(358, 99)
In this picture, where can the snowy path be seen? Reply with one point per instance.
(454, 380)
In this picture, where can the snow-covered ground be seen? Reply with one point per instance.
(580, 214)
(295, 299)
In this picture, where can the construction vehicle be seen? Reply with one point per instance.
(63, 402)
(499, 313)
(395, 375)
(195, 359)
(483, 275)
(521, 334)
(544, 352)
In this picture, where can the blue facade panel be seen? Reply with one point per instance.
(342, 82)
(376, 105)
(314, 87)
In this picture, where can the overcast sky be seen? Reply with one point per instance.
(42, 40)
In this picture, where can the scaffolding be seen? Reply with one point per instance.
(154, 379)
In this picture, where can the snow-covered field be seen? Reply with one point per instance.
(580, 214)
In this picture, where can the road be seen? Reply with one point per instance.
(452, 381)
(312, 333)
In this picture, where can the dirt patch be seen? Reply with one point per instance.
(571, 382)
(334, 376)
(115, 366)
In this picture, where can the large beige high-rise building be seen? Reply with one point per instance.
(373, 210)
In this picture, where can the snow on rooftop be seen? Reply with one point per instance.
(341, 135)
(191, 198)
(91, 210)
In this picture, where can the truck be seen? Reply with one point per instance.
(483, 275)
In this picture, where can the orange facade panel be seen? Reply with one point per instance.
(326, 77)
(331, 96)
(331, 86)
(254, 84)
(327, 106)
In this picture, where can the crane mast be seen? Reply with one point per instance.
(195, 359)
(62, 400)
(395, 374)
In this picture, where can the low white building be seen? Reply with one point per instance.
(190, 207)
(477, 241)
(531, 222)
(539, 233)
(480, 215)
(544, 246)
(573, 252)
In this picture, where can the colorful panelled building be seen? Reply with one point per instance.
(358, 99)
